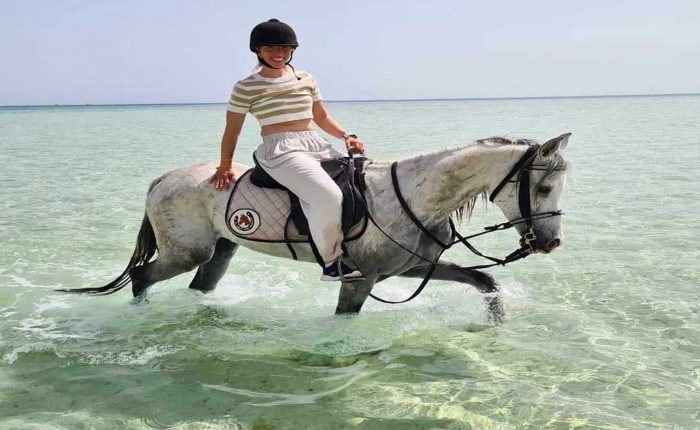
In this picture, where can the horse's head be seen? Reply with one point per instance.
(529, 195)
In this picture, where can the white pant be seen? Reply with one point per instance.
(293, 160)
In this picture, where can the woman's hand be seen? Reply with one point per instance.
(355, 145)
(223, 177)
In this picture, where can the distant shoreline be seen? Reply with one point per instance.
(370, 101)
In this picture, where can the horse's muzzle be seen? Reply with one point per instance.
(547, 247)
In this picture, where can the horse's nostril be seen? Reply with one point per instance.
(553, 244)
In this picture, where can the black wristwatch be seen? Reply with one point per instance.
(346, 135)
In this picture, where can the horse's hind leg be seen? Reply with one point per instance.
(482, 281)
(353, 295)
(211, 272)
(172, 262)
(142, 277)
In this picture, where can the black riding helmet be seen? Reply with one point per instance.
(273, 33)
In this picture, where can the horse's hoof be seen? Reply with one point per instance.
(139, 299)
(495, 313)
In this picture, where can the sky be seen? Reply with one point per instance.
(177, 51)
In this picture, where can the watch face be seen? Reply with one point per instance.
(354, 136)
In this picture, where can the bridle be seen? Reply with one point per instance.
(521, 170)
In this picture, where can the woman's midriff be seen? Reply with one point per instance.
(298, 125)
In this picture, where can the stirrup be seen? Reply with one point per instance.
(339, 271)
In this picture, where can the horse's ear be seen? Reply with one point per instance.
(553, 145)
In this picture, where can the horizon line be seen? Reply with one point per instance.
(371, 100)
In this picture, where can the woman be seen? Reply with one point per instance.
(285, 102)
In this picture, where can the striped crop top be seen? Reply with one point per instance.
(275, 100)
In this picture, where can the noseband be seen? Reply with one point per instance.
(521, 169)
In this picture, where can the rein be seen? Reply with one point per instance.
(522, 169)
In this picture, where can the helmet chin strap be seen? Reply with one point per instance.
(288, 63)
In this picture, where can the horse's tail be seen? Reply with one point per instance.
(146, 247)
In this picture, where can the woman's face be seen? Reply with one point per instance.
(276, 56)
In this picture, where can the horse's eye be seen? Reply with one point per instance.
(544, 190)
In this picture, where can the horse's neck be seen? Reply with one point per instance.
(437, 184)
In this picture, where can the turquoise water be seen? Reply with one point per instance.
(602, 334)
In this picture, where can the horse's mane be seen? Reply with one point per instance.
(556, 163)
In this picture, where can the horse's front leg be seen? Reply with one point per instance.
(353, 295)
(482, 281)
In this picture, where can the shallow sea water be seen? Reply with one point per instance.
(602, 334)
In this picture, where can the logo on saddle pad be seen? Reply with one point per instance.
(245, 221)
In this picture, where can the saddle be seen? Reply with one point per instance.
(262, 209)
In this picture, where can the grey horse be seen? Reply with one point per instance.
(185, 228)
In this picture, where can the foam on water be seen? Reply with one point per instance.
(13, 355)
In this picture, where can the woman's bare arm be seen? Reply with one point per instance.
(329, 124)
(224, 173)
(234, 124)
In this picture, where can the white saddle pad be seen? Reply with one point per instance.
(261, 214)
